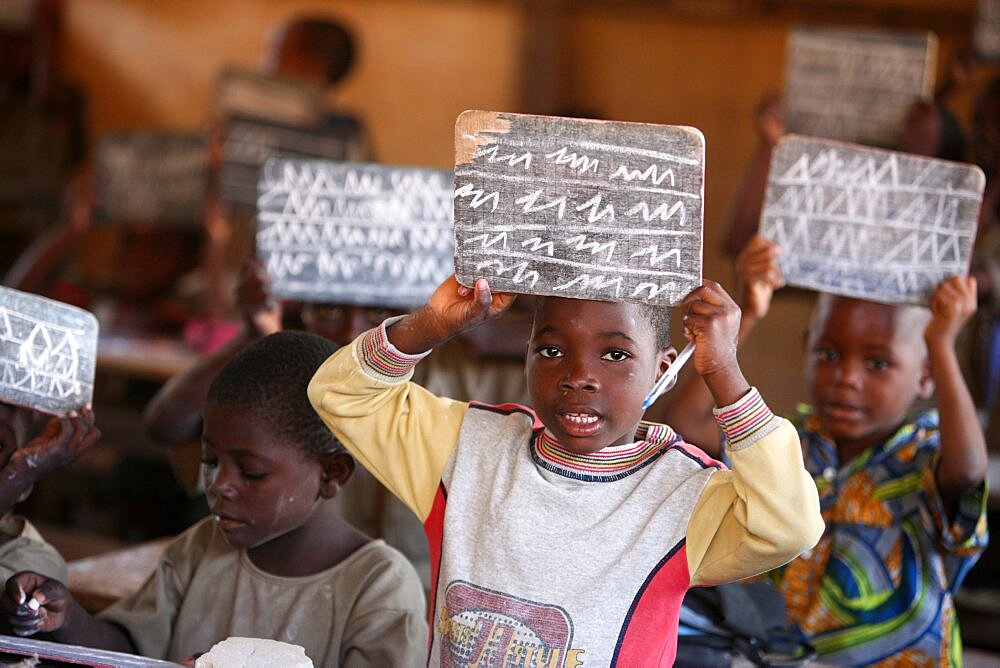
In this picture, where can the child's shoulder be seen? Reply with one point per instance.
(385, 578)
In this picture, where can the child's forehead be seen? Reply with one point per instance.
(585, 314)
(835, 314)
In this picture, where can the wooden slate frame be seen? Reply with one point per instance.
(579, 208)
(856, 85)
(354, 233)
(48, 353)
(869, 223)
(151, 178)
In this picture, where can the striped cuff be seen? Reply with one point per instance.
(746, 421)
(380, 359)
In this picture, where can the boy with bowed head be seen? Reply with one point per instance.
(567, 535)
(274, 560)
(902, 490)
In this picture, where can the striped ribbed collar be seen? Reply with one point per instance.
(609, 464)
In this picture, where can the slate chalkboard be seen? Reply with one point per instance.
(354, 233)
(48, 353)
(856, 86)
(268, 98)
(987, 32)
(144, 177)
(869, 223)
(59, 654)
(248, 142)
(578, 208)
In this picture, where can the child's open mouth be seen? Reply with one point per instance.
(843, 412)
(580, 424)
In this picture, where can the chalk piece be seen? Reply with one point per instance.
(856, 86)
(145, 177)
(34, 604)
(47, 353)
(249, 142)
(354, 233)
(578, 208)
(267, 98)
(869, 223)
(987, 31)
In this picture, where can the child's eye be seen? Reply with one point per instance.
(549, 351)
(615, 356)
(253, 475)
(210, 462)
(878, 364)
(825, 355)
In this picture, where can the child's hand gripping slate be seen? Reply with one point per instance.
(60, 443)
(451, 310)
(712, 323)
(953, 304)
(34, 603)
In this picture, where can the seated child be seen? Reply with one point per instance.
(30, 448)
(902, 491)
(274, 561)
(568, 535)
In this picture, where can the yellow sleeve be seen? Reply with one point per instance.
(396, 429)
(761, 514)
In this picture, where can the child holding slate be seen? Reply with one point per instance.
(569, 534)
(274, 561)
(30, 448)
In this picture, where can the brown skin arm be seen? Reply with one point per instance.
(173, 416)
(450, 311)
(35, 269)
(58, 614)
(750, 197)
(963, 461)
(689, 410)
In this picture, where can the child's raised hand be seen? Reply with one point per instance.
(35, 603)
(261, 311)
(769, 118)
(60, 443)
(451, 310)
(953, 304)
(760, 276)
(712, 323)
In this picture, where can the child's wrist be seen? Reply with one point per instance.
(727, 385)
(418, 332)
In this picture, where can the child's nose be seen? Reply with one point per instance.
(849, 373)
(220, 483)
(579, 377)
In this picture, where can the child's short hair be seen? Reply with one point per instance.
(657, 317)
(270, 378)
(326, 41)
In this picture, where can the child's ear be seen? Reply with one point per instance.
(337, 470)
(926, 386)
(667, 357)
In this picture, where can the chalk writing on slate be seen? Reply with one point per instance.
(354, 233)
(248, 93)
(869, 223)
(151, 178)
(578, 208)
(47, 353)
(856, 86)
(248, 142)
(987, 32)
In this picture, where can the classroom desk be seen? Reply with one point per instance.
(152, 359)
(97, 582)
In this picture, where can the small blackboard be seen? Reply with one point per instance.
(48, 353)
(354, 233)
(145, 177)
(268, 98)
(249, 142)
(856, 86)
(579, 208)
(58, 654)
(869, 223)
(987, 32)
